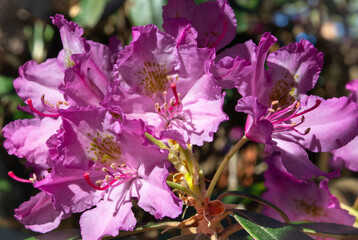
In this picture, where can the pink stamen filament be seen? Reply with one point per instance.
(279, 123)
(13, 176)
(318, 102)
(29, 102)
(123, 178)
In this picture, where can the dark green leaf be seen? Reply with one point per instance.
(330, 230)
(262, 227)
(254, 198)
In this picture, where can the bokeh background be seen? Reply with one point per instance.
(26, 34)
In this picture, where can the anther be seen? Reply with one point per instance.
(113, 166)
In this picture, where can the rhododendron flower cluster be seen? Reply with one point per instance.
(114, 124)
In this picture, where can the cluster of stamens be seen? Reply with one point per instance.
(169, 109)
(279, 117)
(113, 178)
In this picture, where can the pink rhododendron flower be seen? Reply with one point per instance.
(210, 24)
(168, 87)
(302, 201)
(349, 153)
(282, 116)
(93, 145)
(78, 76)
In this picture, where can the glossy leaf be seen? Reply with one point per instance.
(330, 230)
(254, 198)
(262, 227)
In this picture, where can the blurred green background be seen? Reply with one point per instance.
(26, 33)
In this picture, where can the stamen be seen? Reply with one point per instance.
(88, 180)
(318, 102)
(29, 102)
(13, 176)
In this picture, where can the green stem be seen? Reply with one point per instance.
(157, 142)
(183, 189)
(223, 164)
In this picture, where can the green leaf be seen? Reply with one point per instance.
(6, 85)
(90, 12)
(330, 230)
(143, 12)
(254, 198)
(262, 227)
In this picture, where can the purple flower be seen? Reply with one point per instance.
(82, 71)
(102, 162)
(302, 201)
(168, 87)
(348, 154)
(282, 116)
(211, 24)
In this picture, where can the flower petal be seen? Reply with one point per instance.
(38, 214)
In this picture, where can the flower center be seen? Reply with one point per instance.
(113, 178)
(283, 119)
(168, 110)
(309, 208)
(103, 149)
(284, 92)
(153, 78)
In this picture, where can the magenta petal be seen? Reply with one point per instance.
(153, 185)
(84, 85)
(255, 129)
(27, 138)
(82, 127)
(353, 87)
(302, 201)
(37, 80)
(253, 81)
(38, 214)
(70, 191)
(215, 22)
(181, 29)
(295, 160)
(227, 71)
(298, 63)
(111, 214)
(71, 39)
(336, 115)
(179, 9)
(197, 123)
(348, 154)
